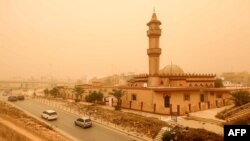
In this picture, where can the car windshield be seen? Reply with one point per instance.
(87, 120)
(53, 113)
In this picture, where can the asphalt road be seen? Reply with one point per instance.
(65, 122)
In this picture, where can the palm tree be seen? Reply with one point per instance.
(117, 93)
(78, 92)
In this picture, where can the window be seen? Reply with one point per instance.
(212, 93)
(161, 82)
(186, 97)
(219, 95)
(203, 97)
(167, 101)
(133, 97)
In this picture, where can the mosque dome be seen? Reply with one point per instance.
(171, 69)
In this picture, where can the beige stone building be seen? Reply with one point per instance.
(166, 91)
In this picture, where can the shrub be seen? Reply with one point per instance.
(94, 96)
(166, 136)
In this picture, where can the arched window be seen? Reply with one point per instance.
(162, 82)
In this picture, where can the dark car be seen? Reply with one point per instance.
(83, 122)
(20, 97)
(12, 98)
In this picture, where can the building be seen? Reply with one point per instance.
(169, 90)
(240, 78)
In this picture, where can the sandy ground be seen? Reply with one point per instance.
(20, 130)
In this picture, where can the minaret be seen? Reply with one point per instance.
(154, 52)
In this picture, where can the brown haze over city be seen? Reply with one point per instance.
(72, 39)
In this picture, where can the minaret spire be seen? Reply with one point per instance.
(154, 50)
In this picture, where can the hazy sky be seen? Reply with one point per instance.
(76, 38)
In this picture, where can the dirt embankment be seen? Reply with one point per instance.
(7, 134)
(26, 128)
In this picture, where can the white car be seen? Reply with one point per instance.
(49, 115)
(83, 122)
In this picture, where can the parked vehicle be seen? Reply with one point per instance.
(12, 98)
(49, 115)
(83, 122)
(20, 97)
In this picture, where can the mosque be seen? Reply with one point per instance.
(166, 91)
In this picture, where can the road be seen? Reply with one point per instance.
(65, 123)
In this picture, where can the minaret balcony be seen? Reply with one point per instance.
(154, 32)
(154, 51)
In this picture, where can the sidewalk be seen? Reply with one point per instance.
(210, 113)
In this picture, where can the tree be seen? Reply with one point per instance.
(78, 92)
(218, 83)
(54, 92)
(94, 96)
(117, 93)
(46, 92)
(240, 97)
